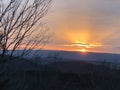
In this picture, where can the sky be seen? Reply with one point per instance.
(85, 25)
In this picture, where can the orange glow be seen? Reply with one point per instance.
(81, 40)
(83, 46)
(83, 50)
(79, 36)
(76, 47)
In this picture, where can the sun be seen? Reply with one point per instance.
(83, 50)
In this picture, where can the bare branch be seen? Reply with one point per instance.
(19, 25)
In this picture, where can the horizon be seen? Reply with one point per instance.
(50, 55)
(71, 51)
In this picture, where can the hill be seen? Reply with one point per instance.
(69, 75)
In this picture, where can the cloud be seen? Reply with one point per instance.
(83, 45)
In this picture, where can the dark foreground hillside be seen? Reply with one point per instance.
(60, 76)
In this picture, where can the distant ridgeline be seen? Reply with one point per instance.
(66, 55)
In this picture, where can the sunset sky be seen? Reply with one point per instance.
(79, 25)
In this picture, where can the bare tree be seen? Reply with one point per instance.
(21, 25)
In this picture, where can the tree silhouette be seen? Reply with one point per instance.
(21, 25)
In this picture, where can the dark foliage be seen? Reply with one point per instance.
(47, 78)
(3, 77)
